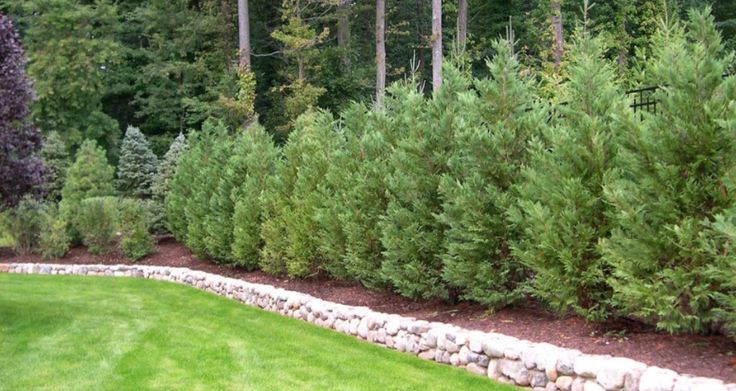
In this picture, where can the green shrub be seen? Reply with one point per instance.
(53, 240)
(135, 242)
(56, 161)
(260, 160)
(489, 148)
(137, 165)
(670, 250)
(561, 212)
(156, 209)
(23, 223)
(96, 222)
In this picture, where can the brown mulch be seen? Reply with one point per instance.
(710, 356)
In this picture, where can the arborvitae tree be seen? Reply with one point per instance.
(561, 210)
(290, 244)
(167, 167)
(670, 251)
(179, 187)
(412, 235)
(488, 150)
(137, 166)
(21, 170)
(89, 176)
(204, 183)
(259, 160)
(56, 160)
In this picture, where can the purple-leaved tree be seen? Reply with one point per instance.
(21, 168)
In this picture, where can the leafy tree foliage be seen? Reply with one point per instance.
(137, 165)
(21, 170)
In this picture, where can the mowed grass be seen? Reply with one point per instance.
(104, 333)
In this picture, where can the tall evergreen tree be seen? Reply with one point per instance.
(167, 167)
(89, 176)
(137, 165)
(56, 160)
(21, 169)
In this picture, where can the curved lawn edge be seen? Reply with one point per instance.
(506, 359)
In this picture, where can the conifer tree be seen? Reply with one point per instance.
(670, 251)
(137, 166)
(167, 167)
(411, 234)
(56, 160)
(561, 212)
(488, 150)
(259, 160)
(179, 187)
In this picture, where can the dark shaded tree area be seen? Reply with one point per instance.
(165, 66)
(21, 168)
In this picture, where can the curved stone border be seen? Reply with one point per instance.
(540, 366)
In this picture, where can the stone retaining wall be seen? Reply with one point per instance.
(540, 366)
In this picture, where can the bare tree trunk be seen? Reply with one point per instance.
(462, 23)
(436, 44)
(380, 51)
(243, 34)
(558, 44)
(343, 33)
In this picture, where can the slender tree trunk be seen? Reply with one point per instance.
(343, 33)
(380, 51)
(436, 44)
(243, 34)
(462, 23)
(558, 43)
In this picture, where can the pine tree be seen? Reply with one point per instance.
(56, 160)
(137, 165)
(488, 150)
(670, 251)
(561, 212)
(411, 234)
(21, 169)
(259, 160)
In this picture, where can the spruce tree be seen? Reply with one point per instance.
(56, 160)
(489, 148)
(561, 212)
(260, 158)
(670, 251)
(412, 235)
(167, 167)
(137, 165)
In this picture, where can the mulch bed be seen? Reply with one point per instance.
(710, 356)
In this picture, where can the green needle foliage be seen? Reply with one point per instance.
(673, 200)
(56, 161)
(137, 165)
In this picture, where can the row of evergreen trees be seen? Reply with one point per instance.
(488, 192)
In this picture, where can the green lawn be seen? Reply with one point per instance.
(71, 332)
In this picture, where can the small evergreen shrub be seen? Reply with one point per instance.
(23, 222)
(137, 165)
(135, 242)
(96, 222)
(56, 160)
(53, 240)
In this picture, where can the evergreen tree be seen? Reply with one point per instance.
(489, 148)
(56, 160)
(137, 165)
(673, 195)
(412, 235)
(167, 167)
(179, 187)
(561, 212)
(260, 157)
(21, 170)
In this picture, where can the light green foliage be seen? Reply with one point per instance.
(412, 235)
(259, 160)
(489, 147)
(96, 221)
(56, 161)
(53, 240)
(137, 165)
(23, 223)
(670, 250)
(241, 106)
(290, 244)
(135, 241)
(179, 187)
(561, 211)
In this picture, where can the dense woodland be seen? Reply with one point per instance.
(497, 161)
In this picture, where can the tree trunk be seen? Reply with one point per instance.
(380, 51)
(462, 23)
(343, 33)
(243, 34)
(436, 44)
(558, 44)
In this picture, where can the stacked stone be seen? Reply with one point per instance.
(539, 366)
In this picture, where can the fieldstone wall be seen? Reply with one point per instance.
(539, 366)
